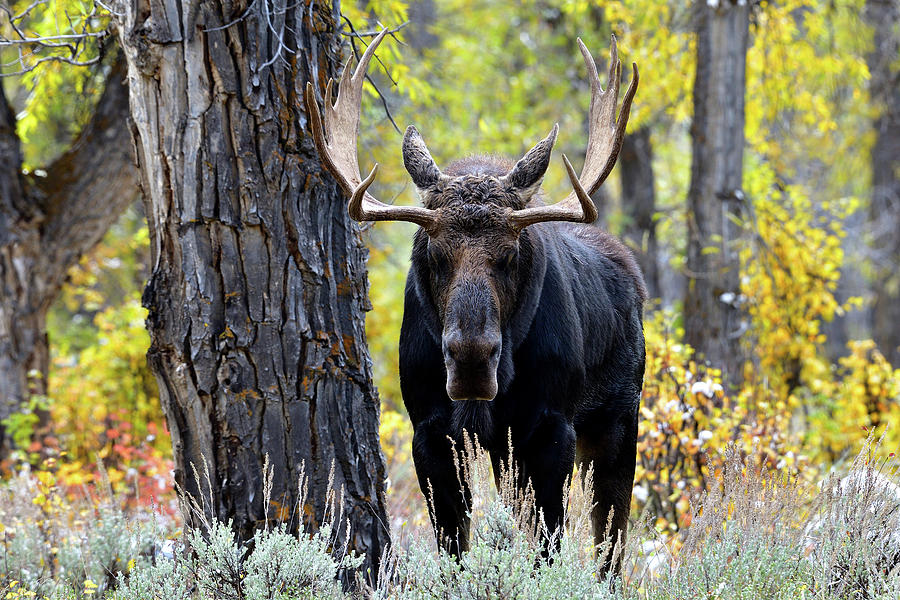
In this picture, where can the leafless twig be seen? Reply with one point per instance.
(353, 36)
(77, 41)
(362, 34)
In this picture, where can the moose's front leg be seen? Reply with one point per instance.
(448, 499)
(545, 459)
(610, 446)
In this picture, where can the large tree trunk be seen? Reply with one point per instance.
(46, 224)
(258, 286)
(639, 204)
(884, 86)
(712, 319)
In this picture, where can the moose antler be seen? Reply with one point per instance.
(605, 136)
(336, 143)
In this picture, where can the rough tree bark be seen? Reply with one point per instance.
(258, 286)
(46, 224)
(639, 204)
(712, 319)
(884, 16)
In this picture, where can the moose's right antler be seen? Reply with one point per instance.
(605, 134)
(336, 142)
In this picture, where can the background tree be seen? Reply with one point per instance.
(47, 221)
(713, 322)
(639, 204)
(258, 288)
(884, 209)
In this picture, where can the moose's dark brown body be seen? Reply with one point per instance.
(516, 319)
(569, 375)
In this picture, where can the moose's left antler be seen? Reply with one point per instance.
(605, 136)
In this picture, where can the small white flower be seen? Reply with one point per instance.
(641, 493)
(168, 549)
(705, 435)
(727, 297)
(702, 387)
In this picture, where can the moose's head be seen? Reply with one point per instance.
(473, 214)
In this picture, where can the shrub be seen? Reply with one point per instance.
(854, 537)
(57, 547)
(755, 533)
(506, 558)
(276, 565)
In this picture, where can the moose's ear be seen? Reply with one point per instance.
(525, 178)
(418, 162)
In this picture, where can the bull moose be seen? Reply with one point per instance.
(520, 321)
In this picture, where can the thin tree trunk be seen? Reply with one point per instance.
(258, 286)
(46, 224)
(639, 204)
(884, 86)
(713, 321)
(23, 339)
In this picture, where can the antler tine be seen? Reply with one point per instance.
(605, 135)
(336, 140)
(589, 210)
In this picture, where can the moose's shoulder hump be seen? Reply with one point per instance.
(613, 248)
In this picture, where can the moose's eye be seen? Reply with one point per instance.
(437, 258)
(506, 261)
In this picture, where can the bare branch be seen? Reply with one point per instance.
(47, 41)
(76, 42)
(62, 59)
(362, 34)
(354, 35)
(387, 111)
(24, 13)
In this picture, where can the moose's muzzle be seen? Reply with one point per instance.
(471, 363)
